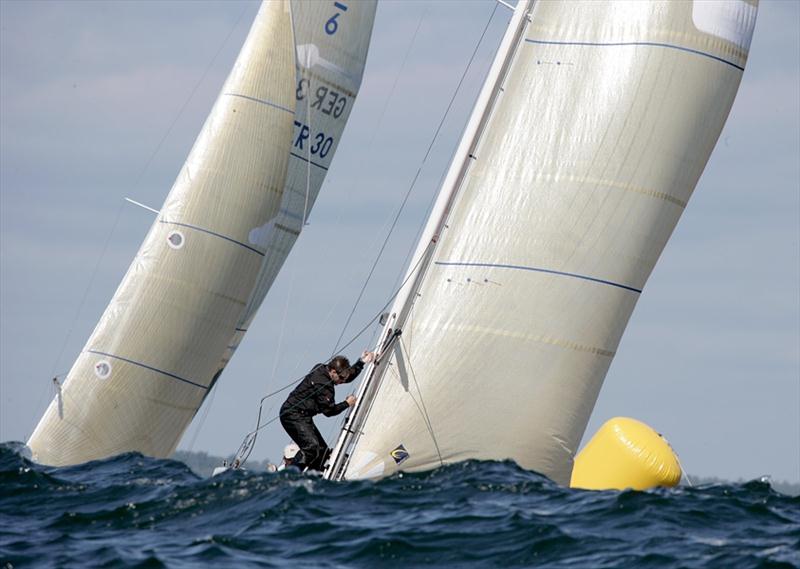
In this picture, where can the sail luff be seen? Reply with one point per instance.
(459, 166)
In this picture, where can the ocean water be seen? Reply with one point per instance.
(133, 511)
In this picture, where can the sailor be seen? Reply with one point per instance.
(290, 455)
(315, 394)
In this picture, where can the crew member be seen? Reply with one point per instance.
(315, 394)
(291, 453)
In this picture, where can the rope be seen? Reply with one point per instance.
(310, 144)
(416, 176)
(677, 458)
(250, 438)
(370, 145)
(203, 418)
(422, 401)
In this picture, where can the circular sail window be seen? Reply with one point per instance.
(102, 369)
(175, 239)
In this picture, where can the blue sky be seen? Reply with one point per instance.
(99, 101)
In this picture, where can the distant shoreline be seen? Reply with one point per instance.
(203, 464)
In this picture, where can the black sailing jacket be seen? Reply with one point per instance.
(315, 394)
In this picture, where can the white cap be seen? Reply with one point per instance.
(290, 450)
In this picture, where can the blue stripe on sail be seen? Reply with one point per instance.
(145, 366)
(644, 43)
(538, 270)
(245, 245)
(262, 101)
(304, 159)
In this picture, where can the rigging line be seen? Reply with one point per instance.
(370, 145)
(139, 179)
(283, 329)
(392, 297)
(308, 165)
(452, 155)
(397, 77)
(191, 95)
(202, 420)
(249, 442)
(422, 401)
(253, 434)
(88, 286)
(416, 176)
(677, 458)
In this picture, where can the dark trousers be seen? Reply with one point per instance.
(308, 438)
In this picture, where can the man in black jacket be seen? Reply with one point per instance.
(315, 394)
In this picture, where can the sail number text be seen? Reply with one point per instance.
(321, 144)
(327, 101)
(332, 25)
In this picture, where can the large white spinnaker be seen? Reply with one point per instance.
(332, 43)
(152, 357)
(592, 149)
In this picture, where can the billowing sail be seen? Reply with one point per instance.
(599, 134)
(152, 357)
(332, 43)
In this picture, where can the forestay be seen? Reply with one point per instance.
(603, 127)
(157, 348)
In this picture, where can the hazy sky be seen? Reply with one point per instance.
(100, 101)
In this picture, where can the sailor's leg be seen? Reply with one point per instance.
(307, 437)
(322, 456)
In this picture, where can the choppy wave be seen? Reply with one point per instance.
(134, 511)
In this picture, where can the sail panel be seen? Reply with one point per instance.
(605, 123)
(155, 352)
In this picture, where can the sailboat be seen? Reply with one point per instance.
(591, 131)
(236, 209)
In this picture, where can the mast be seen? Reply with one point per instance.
(490, 94)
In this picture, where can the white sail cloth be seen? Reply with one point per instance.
(606, 121)
(152, 357)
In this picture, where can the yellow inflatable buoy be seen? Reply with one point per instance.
(625, 453)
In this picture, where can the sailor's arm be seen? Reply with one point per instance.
(332, 410)
(355, 369)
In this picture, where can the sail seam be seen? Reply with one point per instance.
(638, 43)
(537, 270)
(215, 234)
(568, 344)
(262, 101)
(151, 368)
(614, 185)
